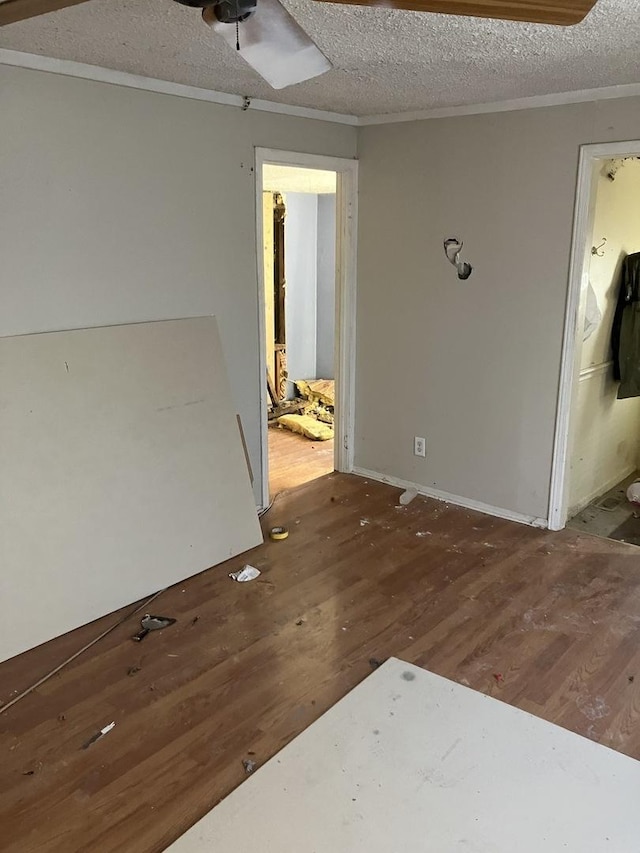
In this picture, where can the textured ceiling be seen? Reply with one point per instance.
(385, 61)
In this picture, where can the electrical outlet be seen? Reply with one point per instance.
(419, 446)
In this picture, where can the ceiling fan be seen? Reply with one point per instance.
(272, 42)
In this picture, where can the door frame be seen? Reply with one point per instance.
(590, 160)
(345, 299)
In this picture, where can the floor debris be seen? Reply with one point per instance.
(278, 533)
(152, 623)
(249, 765)
(248, 573)
(17, 697)
(499, 677)
(611, 515)
(308, 426)
(133, 669)
(300, 622)
(407, 496)
(98, 735)
(374, 663)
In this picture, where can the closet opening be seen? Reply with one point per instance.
(602, 472)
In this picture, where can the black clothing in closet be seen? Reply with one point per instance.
(625, 333)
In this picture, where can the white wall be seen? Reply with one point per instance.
(119, 205)
(301, 270)
(325, 331)
(605, 430)
(310, 260)
(473, 366)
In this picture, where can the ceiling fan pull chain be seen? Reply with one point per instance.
(237, 28)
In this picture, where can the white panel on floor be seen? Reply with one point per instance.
(410, 762)
(121, 471)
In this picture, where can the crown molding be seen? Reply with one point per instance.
(68, 68)
(627, 90)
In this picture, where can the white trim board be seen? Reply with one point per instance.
(584, 211)
(345, 299)
(456, 500)
(70, 68)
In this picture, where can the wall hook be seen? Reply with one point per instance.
(595, 250)
(246, 103)
(452, 249)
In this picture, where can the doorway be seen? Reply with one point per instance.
(306, 276)
(597, 453)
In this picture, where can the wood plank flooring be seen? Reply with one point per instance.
(549, 622)
(294, 459)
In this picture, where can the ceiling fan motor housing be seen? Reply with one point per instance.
(231, 11)
(226, 11)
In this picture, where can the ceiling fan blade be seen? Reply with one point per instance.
(560, 12)
(12, 11)
(274, 45)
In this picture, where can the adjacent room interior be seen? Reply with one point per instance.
(319, 427)
(299, 271)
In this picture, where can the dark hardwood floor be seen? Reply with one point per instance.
(549, 622)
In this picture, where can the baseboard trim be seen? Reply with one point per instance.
(456, 500)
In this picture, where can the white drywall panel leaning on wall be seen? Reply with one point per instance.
(122, 471)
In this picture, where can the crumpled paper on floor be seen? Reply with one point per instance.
(248, 573)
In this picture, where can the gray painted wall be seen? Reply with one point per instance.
(121, 205)
(475, 365)
(326, 286)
